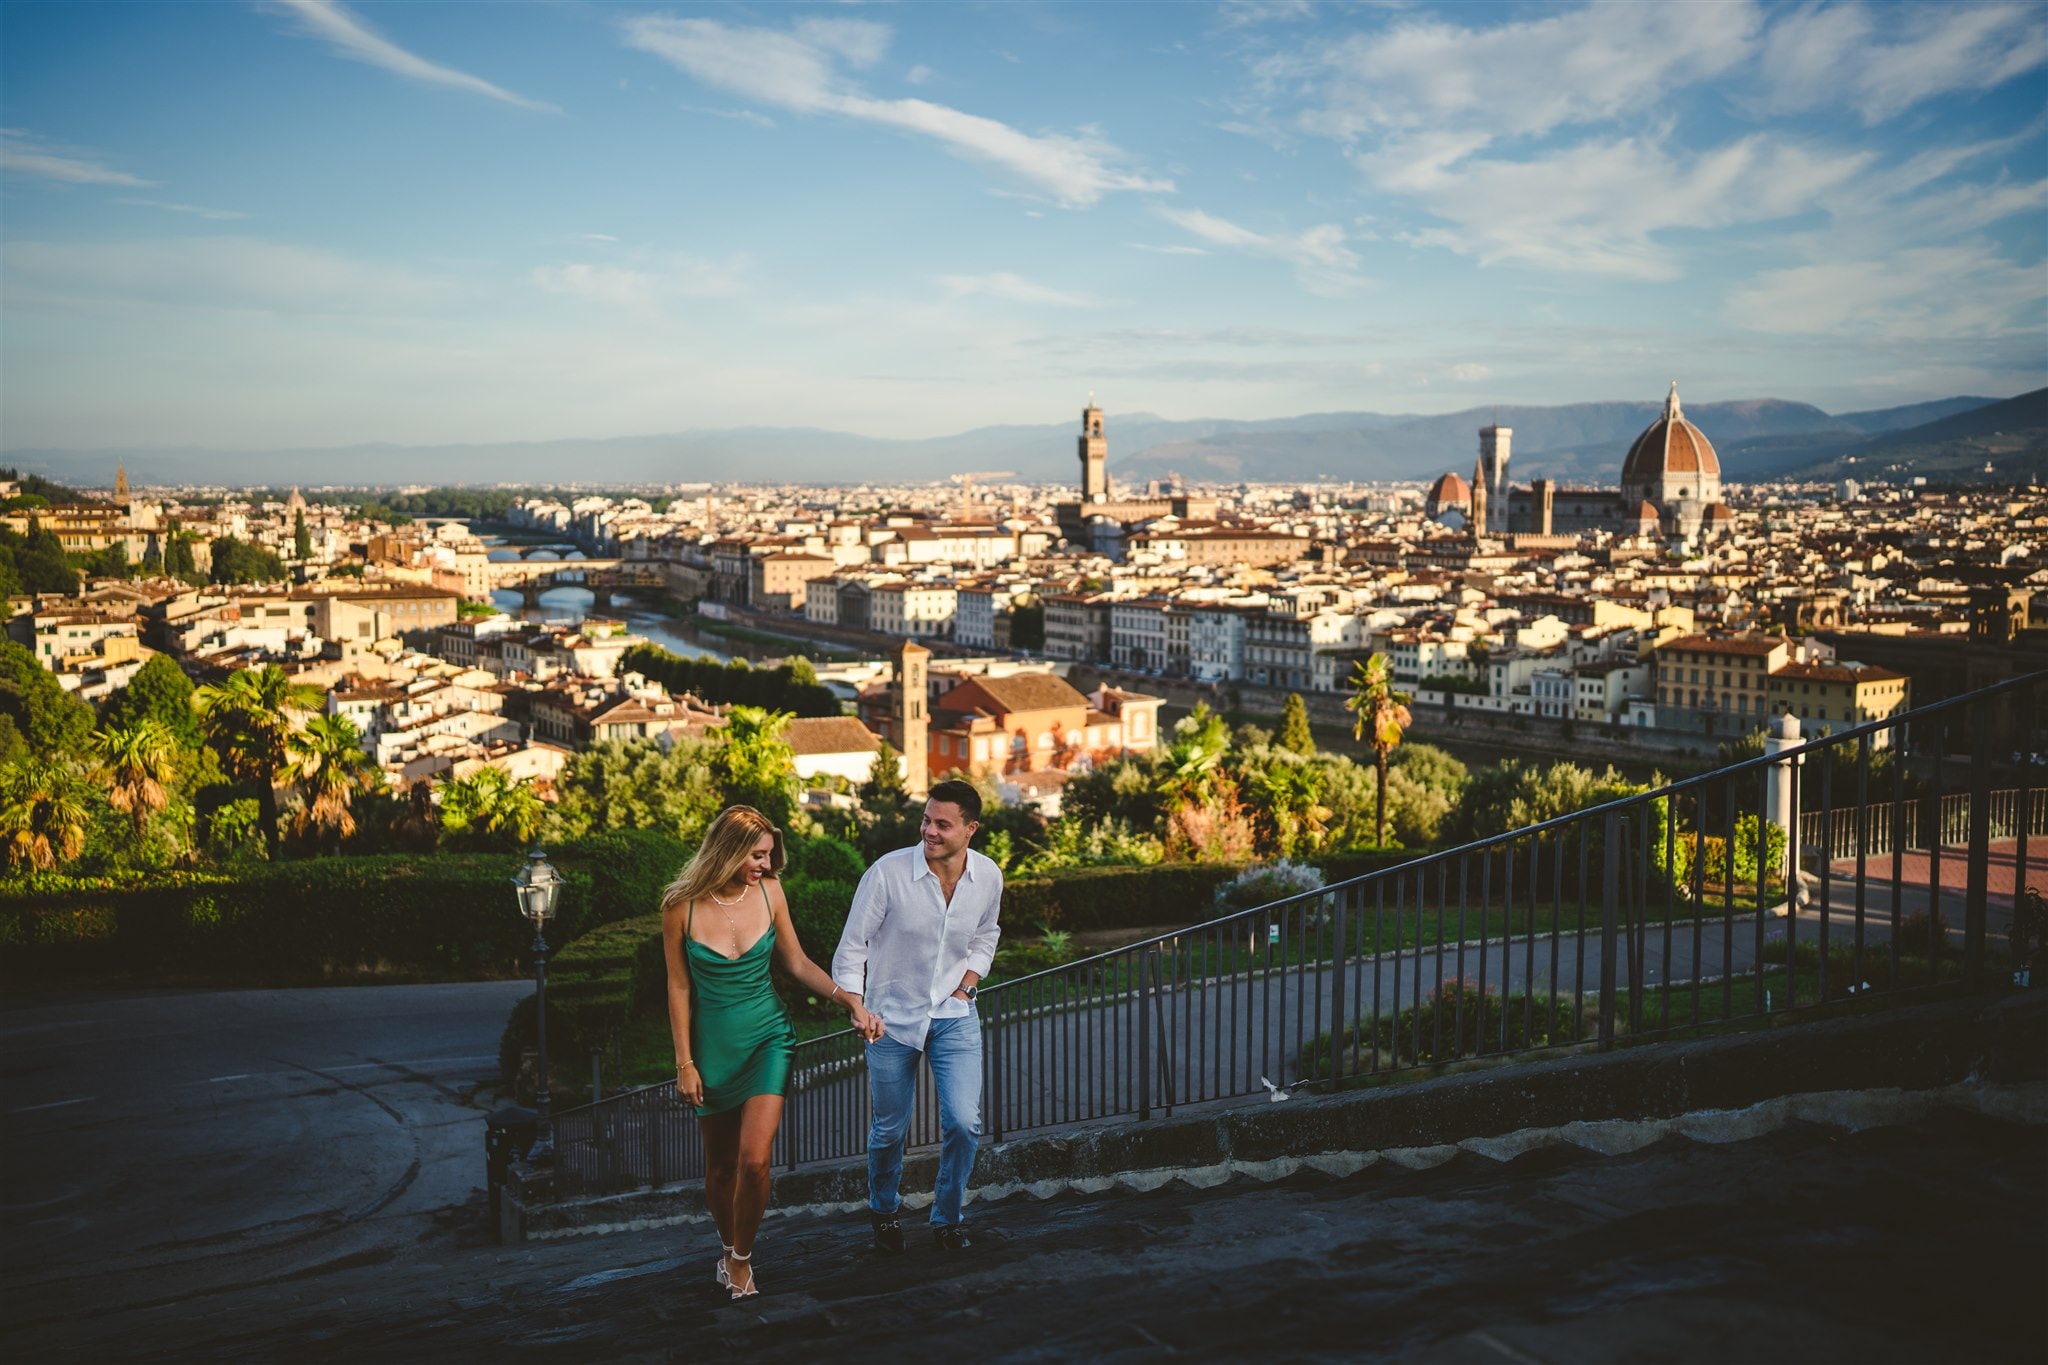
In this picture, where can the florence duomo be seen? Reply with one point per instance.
(1670, 487)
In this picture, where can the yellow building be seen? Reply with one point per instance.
(1723, 677)
(1831, 696)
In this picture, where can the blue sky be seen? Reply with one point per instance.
(301, 222)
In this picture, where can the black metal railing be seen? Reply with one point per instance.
(1727, 897)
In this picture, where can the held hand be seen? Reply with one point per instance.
(865, 1024)
(689, 1085)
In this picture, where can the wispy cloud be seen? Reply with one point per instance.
(1923, 293)
(233, 273)
(1883, 61)
(646, 281)
(734, 115)
(1322, 262)
(196, 210)
(1015, 288)
(22, 154)
(352, 38)
(1524, 77)
(1167, 250)
(1601, 206)
(800, 70)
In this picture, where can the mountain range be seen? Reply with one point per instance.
(1573, 442)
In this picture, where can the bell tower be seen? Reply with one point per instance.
(913, 717)
(1094, 455)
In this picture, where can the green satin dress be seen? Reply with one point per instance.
(744, 1044)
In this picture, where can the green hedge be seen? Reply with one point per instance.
(1088, 899)
(418, 917)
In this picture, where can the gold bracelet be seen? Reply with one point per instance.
(835, 993)
(686, 1066)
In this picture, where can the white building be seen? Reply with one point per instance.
(1138, 633)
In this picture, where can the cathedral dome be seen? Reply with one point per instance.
(1672, 451)
(1448, 491)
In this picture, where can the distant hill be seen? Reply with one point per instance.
(2028, 412)
(1576, 442)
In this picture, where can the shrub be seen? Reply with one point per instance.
(387, 916)
(1264, 883)
(1457, 1020)
(1084, 899)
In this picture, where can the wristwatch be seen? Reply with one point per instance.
(972, 991)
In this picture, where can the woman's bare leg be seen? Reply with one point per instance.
(759, 1117)
(721, 1133)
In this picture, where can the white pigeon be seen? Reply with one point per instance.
(1273, 1092)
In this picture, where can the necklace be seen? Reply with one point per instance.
(732, 923)
(734, 901)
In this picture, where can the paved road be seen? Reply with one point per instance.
(1902, 1244)
(174, 1146)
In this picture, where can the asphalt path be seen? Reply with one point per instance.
(168, 1147)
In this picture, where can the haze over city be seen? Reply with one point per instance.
(305, 224)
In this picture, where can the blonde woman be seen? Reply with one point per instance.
(723, 919)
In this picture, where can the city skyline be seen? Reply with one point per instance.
(307, 224)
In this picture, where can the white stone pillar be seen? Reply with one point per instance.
(1781, 795)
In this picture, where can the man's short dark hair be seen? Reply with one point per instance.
(961, 794)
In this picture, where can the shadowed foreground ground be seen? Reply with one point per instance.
(1909, 1243)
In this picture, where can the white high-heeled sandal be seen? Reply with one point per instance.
(718, 1272)
(751, 1289)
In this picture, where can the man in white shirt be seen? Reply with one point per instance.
(919, 937)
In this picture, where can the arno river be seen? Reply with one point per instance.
(679, 636)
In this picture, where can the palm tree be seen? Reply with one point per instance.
(141, 760)
(44, 811)
(1382, 714)
(332, 768)
(248, 721)
(487, 806)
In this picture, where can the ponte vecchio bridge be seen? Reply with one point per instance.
(603, 577)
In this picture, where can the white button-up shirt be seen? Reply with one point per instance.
(905, 950)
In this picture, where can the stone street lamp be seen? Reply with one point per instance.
(538, 886)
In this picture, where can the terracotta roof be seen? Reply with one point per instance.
(1450, 490)
(808, 735)
(1838, 673)
(1707, 644)
(1024, 692)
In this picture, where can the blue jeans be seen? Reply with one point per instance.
(954, 1047)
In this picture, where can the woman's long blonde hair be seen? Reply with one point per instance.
(720, 858)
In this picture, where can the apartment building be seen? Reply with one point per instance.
(1703, 680)
(777, 582)
(1299, 652)
(976, 610)
(914, 610)
(1077, 627)
(1138, 632)
(1832, 696)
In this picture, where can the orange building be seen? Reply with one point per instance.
(1027, 722)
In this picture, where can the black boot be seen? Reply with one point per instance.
(952, 1238)
(888, 1232)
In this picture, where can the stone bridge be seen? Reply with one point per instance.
(603, 577)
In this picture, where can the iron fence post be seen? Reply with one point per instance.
(1611, 856)
(995, 1067)
(1144, 1044)
(1978, 886)
(1338, 1022)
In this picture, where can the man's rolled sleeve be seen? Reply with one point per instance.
(981, 949)
(863, 917)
